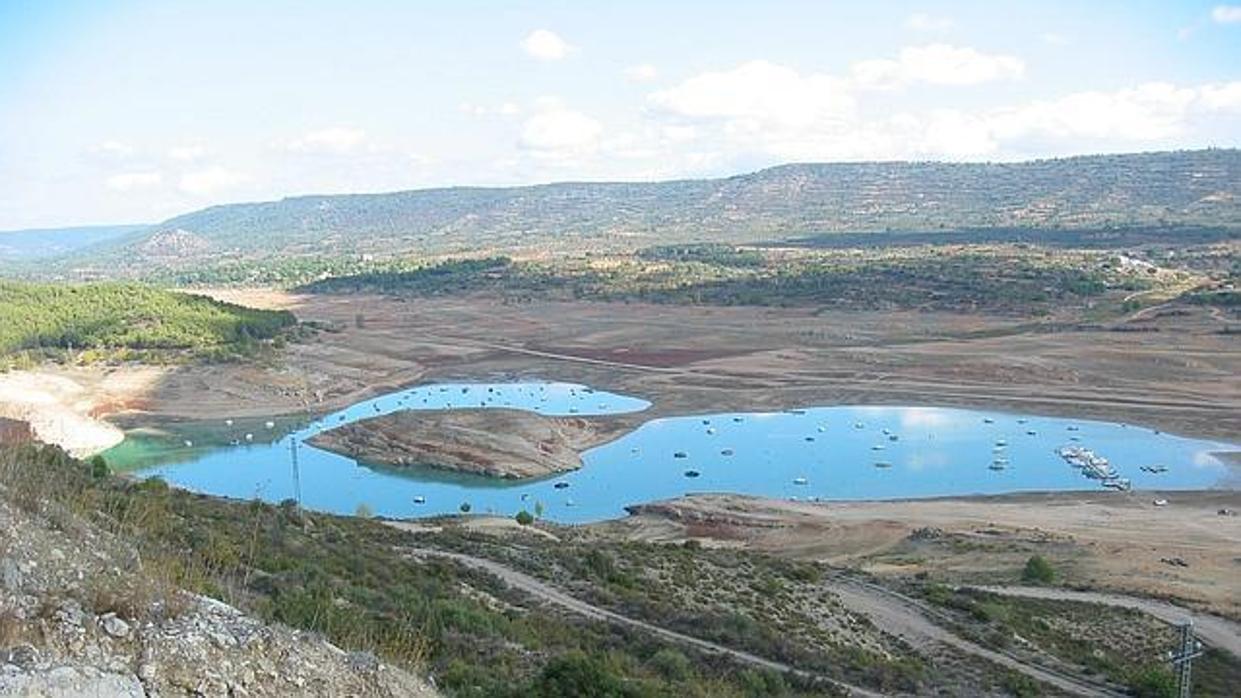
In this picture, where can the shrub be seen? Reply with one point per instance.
(576, 675)
(524, 518)
(1152, 682)
(98, 467)
(1038, 571)
(671, 664)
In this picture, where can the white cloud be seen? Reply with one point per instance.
(758, 94)
(922, 22)
(130, 181)
(557, 132)
(546, 45)
(644, 72)
(1143, 113)
(335, 140)
(211, 180)
(113, 149)
(936, 64)
(505, 109)
(766, 112)
(187, 153)
(1226, 14)
(1225, 97)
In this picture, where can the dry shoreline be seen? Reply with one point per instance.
(686, 360)
(1099, 540)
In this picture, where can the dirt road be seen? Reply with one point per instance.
(1215, 631)
(893, 613)
(550, 594)
(901, 616)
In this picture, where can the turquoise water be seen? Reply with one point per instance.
(824, 452)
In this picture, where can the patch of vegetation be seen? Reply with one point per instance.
(1038, 571)
(114, 321)
(1004, 279)
(350, 580)
(1122, 646)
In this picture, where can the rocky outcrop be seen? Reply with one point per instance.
(80, 615)
(493, 442)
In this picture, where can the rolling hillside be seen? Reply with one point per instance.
(790, 201)
(41, 243)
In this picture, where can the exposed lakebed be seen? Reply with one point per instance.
(844, 452)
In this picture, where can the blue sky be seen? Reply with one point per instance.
(136, 111)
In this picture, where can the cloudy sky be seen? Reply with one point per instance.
(114, 111)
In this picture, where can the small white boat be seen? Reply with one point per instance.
(710, 430)
(189, 444)
(800, 481)
(1160, 502)
(877, 447)
(420, 500)
(270, 425)
(228, 422)
(249, 437)
(883, 464)
(726, 452)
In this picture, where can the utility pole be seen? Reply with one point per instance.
(297, 474)
(1184, 657)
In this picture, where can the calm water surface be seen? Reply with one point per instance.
(824, 452)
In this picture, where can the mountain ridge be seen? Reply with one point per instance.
(1199, 187)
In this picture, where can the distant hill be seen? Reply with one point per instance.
(42, 243)
(800, 200)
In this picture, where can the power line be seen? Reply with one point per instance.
(1183, 659)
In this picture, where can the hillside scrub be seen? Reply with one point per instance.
(88, 322)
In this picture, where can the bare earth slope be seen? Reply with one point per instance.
(493, 442)
(1100, 540)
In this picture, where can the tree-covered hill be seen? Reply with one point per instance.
(126, 321)
(1151, 189)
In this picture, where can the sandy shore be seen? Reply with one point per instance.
(58, 410)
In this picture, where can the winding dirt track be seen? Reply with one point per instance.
(891, 612)
(899, 615)
(1215, 631)
(547, 593)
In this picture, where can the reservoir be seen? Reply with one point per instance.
(838, 452)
